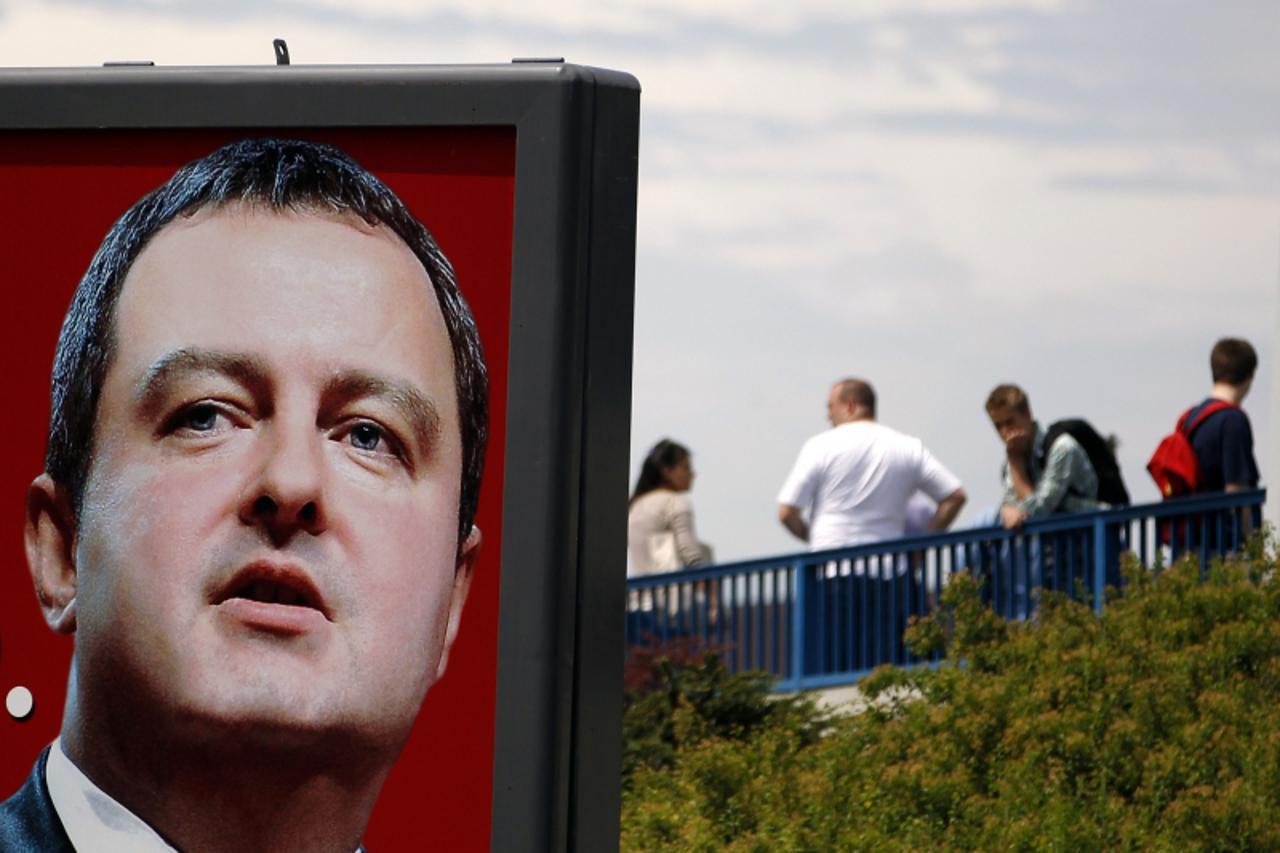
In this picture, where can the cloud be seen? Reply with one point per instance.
(631, 16)
(1189, 70)
(1147, 181)
(937, 193)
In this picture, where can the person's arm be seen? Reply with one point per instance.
(948, 509)
(1246, 517)
(1239, 469)
(792, 520)
(1012, 516)
(798, 491)
(1019, 476)
(681, 523)
(1010, 494)
(1066, 459)
(1246, 513)
(944, 487)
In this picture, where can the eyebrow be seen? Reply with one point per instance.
(179, 364)
(415, 407)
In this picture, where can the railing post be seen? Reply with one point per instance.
(798, 634)
(1099, 562)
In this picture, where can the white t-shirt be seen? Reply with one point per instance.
(920, 510)
(854, 482)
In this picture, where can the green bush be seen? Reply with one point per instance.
(1155, 726)
(678, 697)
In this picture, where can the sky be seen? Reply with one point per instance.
(934, 195)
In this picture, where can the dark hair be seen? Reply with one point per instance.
(857, 392)
(1008, 396)
(1233, 361)
(279, 175)
(665, 454)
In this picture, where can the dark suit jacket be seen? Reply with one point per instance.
(28, 823)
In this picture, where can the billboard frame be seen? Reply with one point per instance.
(557, 738)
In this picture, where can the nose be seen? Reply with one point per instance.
(286, 495)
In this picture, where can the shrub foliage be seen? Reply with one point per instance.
(1154, 726)
(679, 695)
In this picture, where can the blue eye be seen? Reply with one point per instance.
(366, 436)
(201, 418)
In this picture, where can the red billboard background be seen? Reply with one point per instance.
(61, 191)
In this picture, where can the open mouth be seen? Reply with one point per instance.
(271, 592)
(273, 584)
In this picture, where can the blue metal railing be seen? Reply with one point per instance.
(822, 618)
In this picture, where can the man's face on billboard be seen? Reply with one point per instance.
(268, 534)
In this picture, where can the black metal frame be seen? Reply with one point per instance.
(559, 682)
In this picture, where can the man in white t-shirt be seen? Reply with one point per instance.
(851, 484)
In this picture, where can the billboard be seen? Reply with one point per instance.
(524, 177)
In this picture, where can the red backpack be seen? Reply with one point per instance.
(1174, 466)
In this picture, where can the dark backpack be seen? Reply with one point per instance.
(1174, 465)
(1110, 484)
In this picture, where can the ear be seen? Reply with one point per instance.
(461, 586)
(49, 537)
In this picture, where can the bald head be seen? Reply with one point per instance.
(851, 400)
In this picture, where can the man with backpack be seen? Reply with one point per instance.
(1211, 449)
(1066, 468)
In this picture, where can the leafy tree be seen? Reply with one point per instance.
(1154, 726)
(679, 695)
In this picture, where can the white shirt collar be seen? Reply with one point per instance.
(92, 819)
